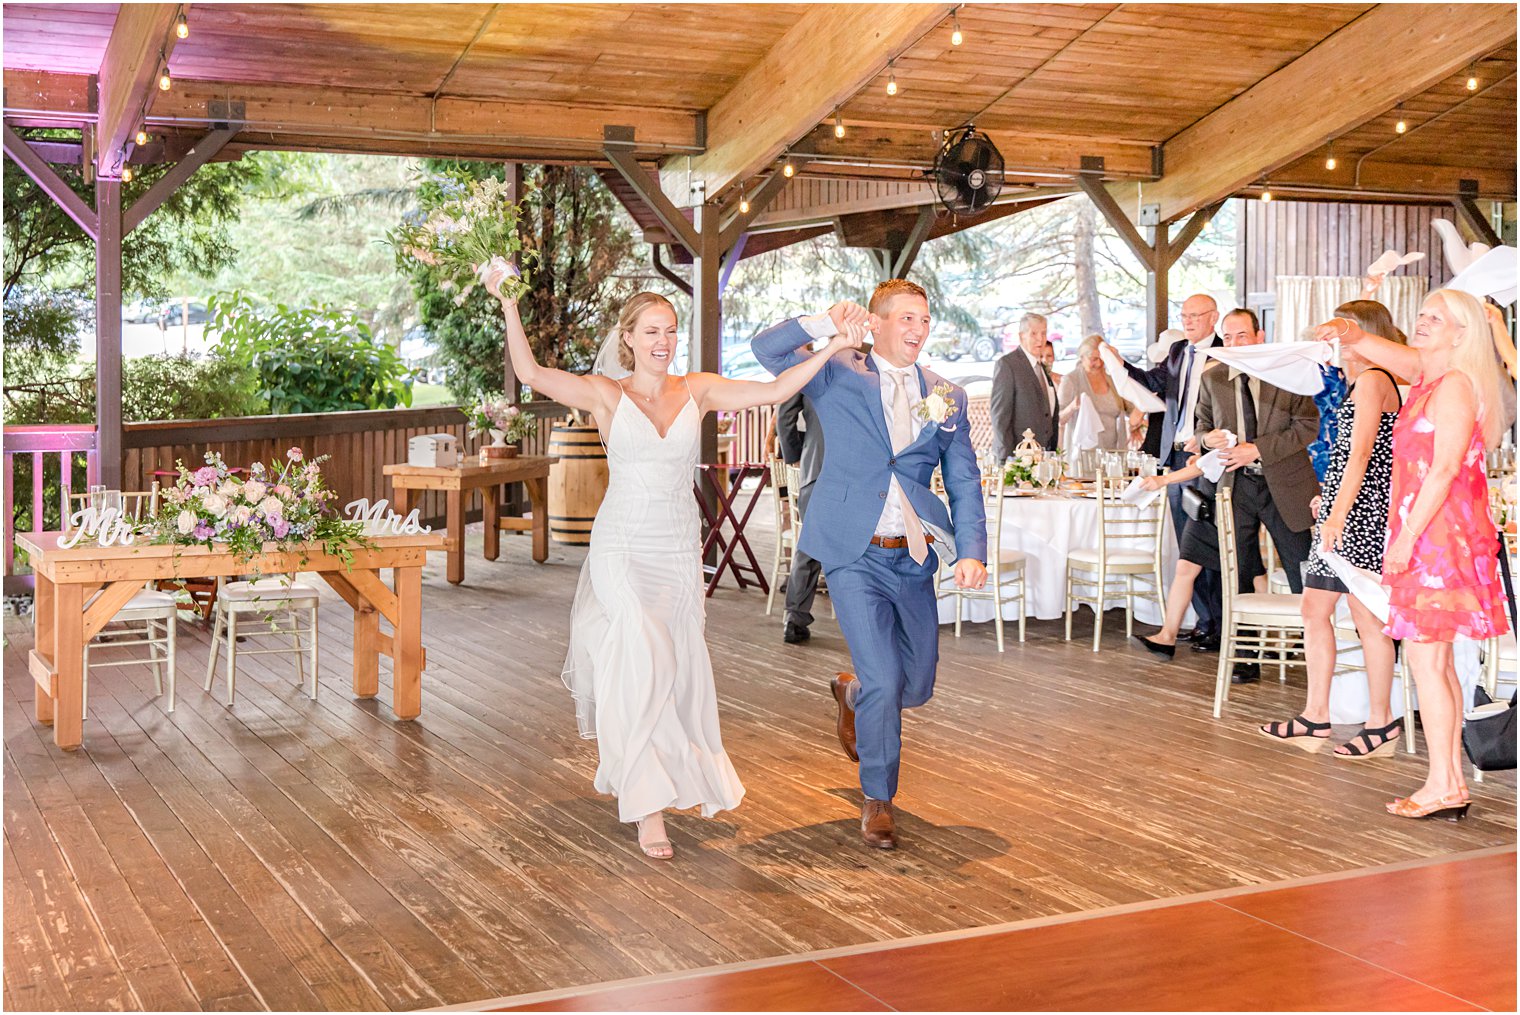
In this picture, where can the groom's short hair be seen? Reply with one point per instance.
(894, 287)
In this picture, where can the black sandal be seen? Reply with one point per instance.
(1370, 741)
(1307, 741)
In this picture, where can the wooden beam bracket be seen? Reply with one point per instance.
(1469, 215)
(621, 156)
(1092, 186)
(203, 152)
(51, 183)
(908, 253)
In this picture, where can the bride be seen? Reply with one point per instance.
(638, 665)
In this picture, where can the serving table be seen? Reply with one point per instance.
(67, 613)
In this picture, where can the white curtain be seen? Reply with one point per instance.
(1304, 301)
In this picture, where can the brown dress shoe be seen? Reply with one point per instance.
(876, 825)
(846, 724)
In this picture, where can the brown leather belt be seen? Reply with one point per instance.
(897, 542)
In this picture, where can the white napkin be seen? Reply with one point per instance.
(1391, 259)
(1129, 389)
(1087, 431)
(1292, 366)
(1213, 464)
(1364, 584)
(1136, 495)
(1492, 274)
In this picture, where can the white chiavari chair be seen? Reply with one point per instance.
(278, 606)
(1126, 563)
(786, 535)
(1005, 568)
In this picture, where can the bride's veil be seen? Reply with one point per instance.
(606, 362)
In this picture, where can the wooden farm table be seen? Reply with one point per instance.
(532, 471)
(66, 578)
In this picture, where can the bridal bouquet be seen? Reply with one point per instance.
(286, 503)
(495, 413)
(470, 229)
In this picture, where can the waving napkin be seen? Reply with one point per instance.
(1492, 274)
(1128, 388)
(1360, 582)
(1136, 495)
(1087, 431)
(1212, 464)
(1391, 259)
(1292, 366)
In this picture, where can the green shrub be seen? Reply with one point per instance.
(309, 359)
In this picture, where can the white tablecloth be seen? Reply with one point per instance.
(1047, 529)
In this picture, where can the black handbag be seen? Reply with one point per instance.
(1196, 506)
(1490, 741)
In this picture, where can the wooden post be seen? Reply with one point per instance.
(406, 672)
(706, 312)
(1157, 284)
(108, 330)
(366, 649)
(509, 383)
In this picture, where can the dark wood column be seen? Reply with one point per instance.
(108, 330)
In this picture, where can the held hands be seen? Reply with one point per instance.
(970, 574)
(1240, 456)
(848, 337)
(846, 313)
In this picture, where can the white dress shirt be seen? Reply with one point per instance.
(821, 326)
(1189, 412)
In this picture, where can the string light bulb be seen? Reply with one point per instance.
(743, 203)
(1330, 158)
(165, 82)
(891, 78)
(956, 38)
(182, 27)
(141, 138)
(1472, 78)
(1401, 126)
(838, 125)
(1266, 191)
(788, 170)
(126, 174)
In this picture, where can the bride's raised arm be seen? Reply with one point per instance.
(714, 393)
(595, 395)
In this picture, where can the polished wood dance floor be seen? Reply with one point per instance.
(1439, 936)
(290, 854)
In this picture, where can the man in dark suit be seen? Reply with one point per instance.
(1023, 393)
(799, 439)
(1269, 472)
(1176, 379)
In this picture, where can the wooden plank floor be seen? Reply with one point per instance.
(1439, 936)
(292, 854)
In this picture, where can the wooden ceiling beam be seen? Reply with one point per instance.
(826, 57)
(1035, 154)
(1386, 55)
(140, 42)
(1379, 179)
(336, 114)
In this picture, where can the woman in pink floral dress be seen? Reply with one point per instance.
(1441, 566)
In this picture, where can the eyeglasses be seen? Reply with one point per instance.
(1198, 317)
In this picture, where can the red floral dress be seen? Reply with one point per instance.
(1452, 585)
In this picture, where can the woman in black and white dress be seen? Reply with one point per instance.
(1353, 522)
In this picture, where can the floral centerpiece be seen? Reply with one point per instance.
(472, 229)
(507, 424)
(286, 503)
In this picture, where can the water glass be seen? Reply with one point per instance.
(96, 499)
(112, 501)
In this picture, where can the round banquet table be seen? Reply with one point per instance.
(1046, 529)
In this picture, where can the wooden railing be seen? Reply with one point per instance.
(750, 428)
(53, 462)
(357, 443)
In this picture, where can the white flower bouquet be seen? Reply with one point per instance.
(495, 412)
(468, 232)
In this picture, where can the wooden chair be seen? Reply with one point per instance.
(267, 598)
(149, 619)
(1128, 552)
(1005, 568)
(1275, 621)
(786, 532)
(794, 518)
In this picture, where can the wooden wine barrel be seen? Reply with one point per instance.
(577, 482)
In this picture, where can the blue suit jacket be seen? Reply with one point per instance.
(858, 462)
(1165, 379)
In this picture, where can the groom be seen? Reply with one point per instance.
(874, 524)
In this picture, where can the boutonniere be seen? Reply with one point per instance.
(937, 406)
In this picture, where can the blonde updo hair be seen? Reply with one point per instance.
(628, 319)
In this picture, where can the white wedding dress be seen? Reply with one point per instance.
(638, 665)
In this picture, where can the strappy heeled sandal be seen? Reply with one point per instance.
(656, 844)
(1307, 741)
(1452, 807)
(1370, 741)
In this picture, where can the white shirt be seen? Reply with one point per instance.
(1189, 413)
(821, 326)
(1039, 371)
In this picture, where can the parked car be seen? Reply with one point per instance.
(141, 312)
(979, 346)
(182, 310)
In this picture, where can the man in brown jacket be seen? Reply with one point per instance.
(1270, 475)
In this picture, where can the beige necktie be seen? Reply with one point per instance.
(902, 436)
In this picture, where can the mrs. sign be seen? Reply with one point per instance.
(380, 520)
